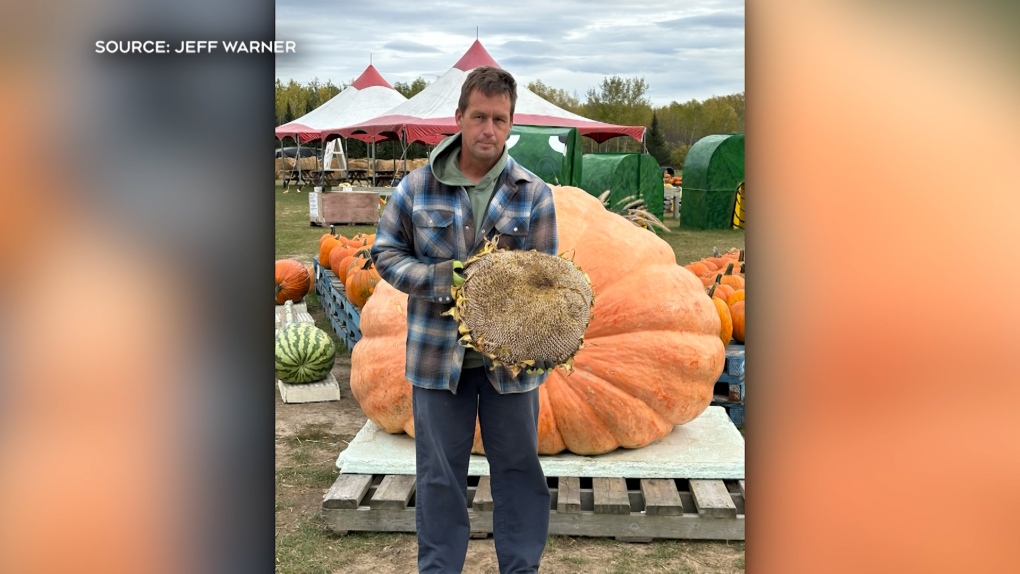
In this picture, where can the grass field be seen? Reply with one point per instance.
(295, 238)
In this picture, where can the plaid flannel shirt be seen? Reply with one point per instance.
(425, 227)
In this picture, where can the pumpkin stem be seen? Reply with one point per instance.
(718, 277)
(715, 251)
(711, 290)
(729, 268)
(277, 289)
(741, 258)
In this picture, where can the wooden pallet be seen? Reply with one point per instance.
(344, 316)
(734, 361)
(729, 389)
(633, 510)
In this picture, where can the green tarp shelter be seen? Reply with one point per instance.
(552, 153)
(713, 169)
(624, 174)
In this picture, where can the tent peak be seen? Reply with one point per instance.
(370, 77)
(474, 57)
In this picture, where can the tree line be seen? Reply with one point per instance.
(672, 129)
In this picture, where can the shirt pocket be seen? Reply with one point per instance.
(513, 231)
(434, 233)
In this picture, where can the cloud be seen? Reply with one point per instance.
(683, 51)
(409, 46)
(717, 20)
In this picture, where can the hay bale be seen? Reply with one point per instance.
(310, 163)
(384, 165)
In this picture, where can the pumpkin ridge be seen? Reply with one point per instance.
(578, 434)
(617, 312)
(686, 366)
(623, 415)
(550, 441)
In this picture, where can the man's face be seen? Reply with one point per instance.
(485, 126)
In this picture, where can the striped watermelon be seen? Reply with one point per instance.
(304, 353)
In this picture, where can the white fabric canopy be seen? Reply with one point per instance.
(369, 96)
(428, 116)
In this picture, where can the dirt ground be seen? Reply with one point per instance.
(310, 437)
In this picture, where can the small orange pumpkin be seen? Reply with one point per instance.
(726, 330)
(737, 314)
(361, 282)
(356, 258)
(698, 268)
(737, 295)
(332, 233)
(325, 248)
(728, 278)
(291, 281)
(719, 290)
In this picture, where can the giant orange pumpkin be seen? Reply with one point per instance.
(648, 363)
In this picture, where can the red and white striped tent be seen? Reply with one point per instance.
(369, 96)
(428, 116)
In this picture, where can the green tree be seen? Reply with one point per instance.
(556, 96)
(678, 155)
(288, 116)
(412, 89)
(623, 102)
(655, 143)
(280, 101)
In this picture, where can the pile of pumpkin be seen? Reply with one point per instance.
(723, 278)
(674, 180)
(350, 259)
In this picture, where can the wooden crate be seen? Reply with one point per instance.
(343, 208)
(633, 510)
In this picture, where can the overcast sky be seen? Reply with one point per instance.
(683, 49)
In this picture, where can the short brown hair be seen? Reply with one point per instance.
(489, 81)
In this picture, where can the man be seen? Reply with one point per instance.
(436, 218)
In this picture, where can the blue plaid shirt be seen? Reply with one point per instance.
(425, 227)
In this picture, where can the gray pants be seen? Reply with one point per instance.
(444, 425)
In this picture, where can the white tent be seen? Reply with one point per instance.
(369, 96)
(428, 116)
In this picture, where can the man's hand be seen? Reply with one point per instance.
(458, 273)
(542, 366)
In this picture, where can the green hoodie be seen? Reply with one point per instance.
(446, 168)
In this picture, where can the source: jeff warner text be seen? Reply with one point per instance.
(194, 47)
